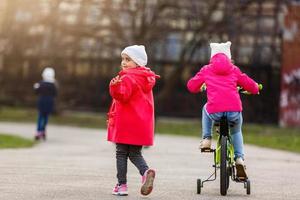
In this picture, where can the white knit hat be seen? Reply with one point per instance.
(220, 48)
(137, 53)
(48, 75)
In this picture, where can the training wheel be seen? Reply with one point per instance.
(199, 186)
(248, 188)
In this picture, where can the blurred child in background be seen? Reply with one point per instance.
(47, 91)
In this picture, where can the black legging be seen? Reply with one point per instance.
(134, 153)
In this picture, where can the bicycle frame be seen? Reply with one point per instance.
(224, 131)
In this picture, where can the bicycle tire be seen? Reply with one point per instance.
(198, 186)
(248, 189)
(223, 166)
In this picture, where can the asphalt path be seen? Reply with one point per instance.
(78, 163)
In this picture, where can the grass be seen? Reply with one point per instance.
(261, 135)
(10, 141)
(67, 118)
(270, 136)
(273, 137)
(178, 127)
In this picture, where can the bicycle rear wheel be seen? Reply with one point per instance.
(223, 167)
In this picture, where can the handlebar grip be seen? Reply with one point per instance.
(203, 87)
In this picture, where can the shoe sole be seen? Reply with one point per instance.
(241, 172)
(40, 137)
(204, 147)
(120, 193)
(148, 185)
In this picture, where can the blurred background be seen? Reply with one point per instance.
(82, 41)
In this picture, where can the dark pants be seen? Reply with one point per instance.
(134, 153)
(42, 121)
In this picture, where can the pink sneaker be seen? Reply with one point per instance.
(147, 182)
(120, 190)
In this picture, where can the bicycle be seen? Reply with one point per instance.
(224, 157)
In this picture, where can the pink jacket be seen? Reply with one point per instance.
(131, 115)
(222, 78)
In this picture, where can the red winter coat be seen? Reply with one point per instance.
(131, 115)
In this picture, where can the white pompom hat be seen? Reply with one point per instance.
(137, 53)
(220, 48)
(48, 75)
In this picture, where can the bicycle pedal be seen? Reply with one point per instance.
(207, 150)
(241, 172)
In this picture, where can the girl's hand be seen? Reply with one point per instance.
(203, 87)
(116, 80)
(36, 85)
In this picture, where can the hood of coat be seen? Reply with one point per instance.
(143, 76)
(221, 64)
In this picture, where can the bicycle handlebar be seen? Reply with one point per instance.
(240, 89)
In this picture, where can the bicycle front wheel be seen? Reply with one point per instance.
(223, 167)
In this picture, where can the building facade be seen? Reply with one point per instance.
(290, 72)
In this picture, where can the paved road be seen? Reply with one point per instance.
(78, 164)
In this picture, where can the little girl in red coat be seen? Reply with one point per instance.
(131, 117)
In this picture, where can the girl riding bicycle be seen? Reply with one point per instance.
(221, 78)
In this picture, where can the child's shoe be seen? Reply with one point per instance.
(239, 161)
(205, 144)
(120, 190)
(147, 182)
(38, 136)
(240, 168)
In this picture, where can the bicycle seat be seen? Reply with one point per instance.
(230, 123)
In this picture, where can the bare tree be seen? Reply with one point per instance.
(73, 35)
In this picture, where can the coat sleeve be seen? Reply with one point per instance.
(121, 91)
(247, 83)
(195, 83)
